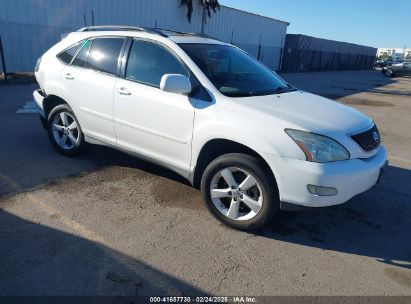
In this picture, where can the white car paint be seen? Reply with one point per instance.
(155, 123)
(171, 129)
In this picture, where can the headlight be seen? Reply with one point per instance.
(318, 148)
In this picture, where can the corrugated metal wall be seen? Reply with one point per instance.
(30, 27)
(305, 53)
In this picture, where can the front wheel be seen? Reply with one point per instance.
(64, 130)
(389, 73)
(239, 192)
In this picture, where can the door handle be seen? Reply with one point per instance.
(69, 76)
(123, 91)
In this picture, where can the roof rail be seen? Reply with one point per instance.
(122, 28)
(155, 31)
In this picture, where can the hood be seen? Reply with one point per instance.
(308, 112)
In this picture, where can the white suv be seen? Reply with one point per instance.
(210, 112)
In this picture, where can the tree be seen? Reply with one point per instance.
(208, 6)
(385, 56)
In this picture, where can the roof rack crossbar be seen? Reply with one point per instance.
(187, 33)
(121, 28)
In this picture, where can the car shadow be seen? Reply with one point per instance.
(374, 224)
(104, 156)
(28, 160)
(37, 260)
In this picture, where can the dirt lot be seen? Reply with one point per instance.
(108, 224)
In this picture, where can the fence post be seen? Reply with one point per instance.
(282, 50)
(259, 49)
(3, 62)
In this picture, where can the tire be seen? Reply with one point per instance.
(389, 73)
(64, 131)
(232, 206)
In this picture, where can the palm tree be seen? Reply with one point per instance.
(207, 5)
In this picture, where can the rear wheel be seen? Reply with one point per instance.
(64, 130)
(238, 191)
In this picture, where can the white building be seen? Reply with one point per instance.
(397, 54)
(30, 27)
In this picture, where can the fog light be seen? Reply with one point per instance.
(321, 191)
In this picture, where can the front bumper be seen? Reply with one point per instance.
(349, 177)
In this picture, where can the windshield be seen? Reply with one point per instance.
(235, 73)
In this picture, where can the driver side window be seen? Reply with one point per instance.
(148, 62)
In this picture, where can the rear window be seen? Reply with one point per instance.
(67, 55)
(81, 57)
(104, 53)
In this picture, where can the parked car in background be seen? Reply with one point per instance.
(380, 63)
(211, 112)
(397, 69)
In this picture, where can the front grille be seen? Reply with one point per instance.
(368, 140)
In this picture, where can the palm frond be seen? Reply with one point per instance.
(189, 4)
(209, 5)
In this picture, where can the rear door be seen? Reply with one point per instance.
(89, 85)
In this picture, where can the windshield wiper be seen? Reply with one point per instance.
(279, 90)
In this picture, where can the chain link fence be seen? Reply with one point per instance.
(266, 54)
(299, 60)
(306, 53)
(24, 43)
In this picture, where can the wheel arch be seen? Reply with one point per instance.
(220, 146)
(50, 102)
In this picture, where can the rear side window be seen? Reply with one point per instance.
(67, 55)
(148, 62)
(81, 57)
(104, 53)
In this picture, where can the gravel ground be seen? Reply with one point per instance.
(104, 223)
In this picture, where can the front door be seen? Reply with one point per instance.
(149, 121)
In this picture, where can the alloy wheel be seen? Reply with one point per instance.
(236, 193)
(65, 130)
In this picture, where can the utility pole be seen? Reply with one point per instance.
(3, 62)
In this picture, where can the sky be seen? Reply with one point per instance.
(374, 23)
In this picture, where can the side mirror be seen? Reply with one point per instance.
(175, 83)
